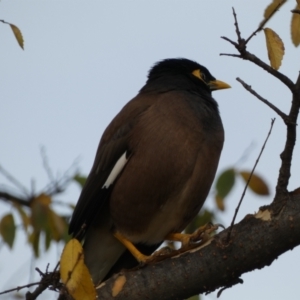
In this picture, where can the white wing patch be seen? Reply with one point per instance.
(118, 167)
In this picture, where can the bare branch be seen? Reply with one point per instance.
(272, 106)
(248, 181)
(18, 288)
(12, 198)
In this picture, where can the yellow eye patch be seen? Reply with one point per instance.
(199, 75)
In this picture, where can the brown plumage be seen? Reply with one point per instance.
(167, 142)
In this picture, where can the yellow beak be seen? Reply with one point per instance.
(218, 85)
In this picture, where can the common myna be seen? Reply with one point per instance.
(153, 169)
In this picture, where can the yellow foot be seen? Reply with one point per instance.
(199, 237)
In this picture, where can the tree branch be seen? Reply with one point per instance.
(290, 121)
(12, 198)
(255, 242)
(272, 106)
(287, 154)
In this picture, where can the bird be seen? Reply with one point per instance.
(153, 168)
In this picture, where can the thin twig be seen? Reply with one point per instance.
(272, 106)
(18, 288)
(4, 22)
(46, 164)
(228, 54)
(59, 185)
(247, 184)
(230, 41)
(13, 180)
(236, 25)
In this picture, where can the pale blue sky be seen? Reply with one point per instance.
(83, 60)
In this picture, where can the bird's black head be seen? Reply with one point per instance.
(181, 68)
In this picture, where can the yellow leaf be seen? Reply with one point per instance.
(256, 184)
(271, 9)
(220, 202)
(272, 6)
(23, 215)
(295, 27)
(275, 48)
(43, 199)
(74, 273)
(18, 35)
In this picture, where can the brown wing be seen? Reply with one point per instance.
(113, 144)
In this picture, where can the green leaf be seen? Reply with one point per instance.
(48, 238)
(57, 226)
(256, 184)
(225, 183)
(34, 240)
(8, 229)
(40, 211)
(80, 180)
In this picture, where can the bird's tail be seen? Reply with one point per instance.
(101, 251)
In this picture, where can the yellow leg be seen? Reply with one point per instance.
(140, 257)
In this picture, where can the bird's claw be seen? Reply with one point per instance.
(200, 236)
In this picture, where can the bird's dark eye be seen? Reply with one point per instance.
(203, 76)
